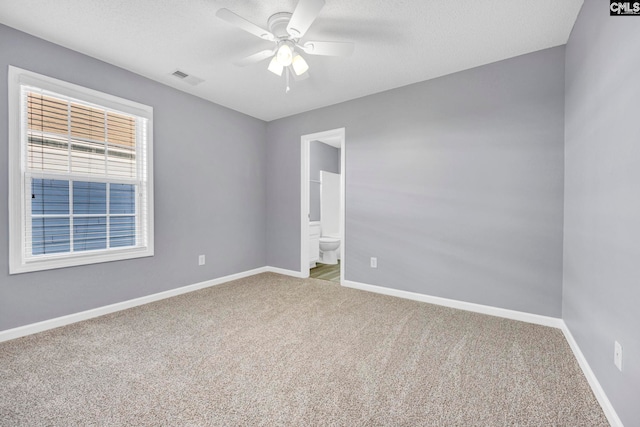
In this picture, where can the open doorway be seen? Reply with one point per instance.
(322, 242)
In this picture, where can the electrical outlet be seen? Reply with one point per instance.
(374, 262)
(617, 355)
(201, 260)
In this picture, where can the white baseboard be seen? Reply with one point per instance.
(33, 328)
(538, 319)
(606, 405)
(286, 272)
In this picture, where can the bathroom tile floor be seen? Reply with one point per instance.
(326, 272)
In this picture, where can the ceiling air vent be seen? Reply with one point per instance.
(192, 80)
(180, 74)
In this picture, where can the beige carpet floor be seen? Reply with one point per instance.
(272, 350)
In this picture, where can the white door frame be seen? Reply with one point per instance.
(336, 136)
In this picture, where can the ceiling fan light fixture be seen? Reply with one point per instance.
(284, 54)
(275, 67)
(285, 31)
(300, 66)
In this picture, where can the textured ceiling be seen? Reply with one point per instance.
(398, 42)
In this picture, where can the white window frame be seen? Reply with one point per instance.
(19, 206)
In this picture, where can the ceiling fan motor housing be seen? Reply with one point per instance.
(278, 25)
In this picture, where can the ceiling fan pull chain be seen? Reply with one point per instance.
(287, 78)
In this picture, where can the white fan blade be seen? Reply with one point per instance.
(306, 12)
(243, 24)
(329, 48)
(255, 58)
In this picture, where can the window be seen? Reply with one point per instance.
(80, 175)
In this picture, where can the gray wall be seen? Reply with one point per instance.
(209, 192)
(322, 157)
(602, 202)
(455, 184)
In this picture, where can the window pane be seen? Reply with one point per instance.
(47, 133)
(47, 154)
(123, 231)
(49, 235)
(89, 233)
(46, 114)
(121, 129)
(49, 197)
(89, 198)
(122, 199)
(121, 162)
(88, 137)
(87, 158)
(87, 122)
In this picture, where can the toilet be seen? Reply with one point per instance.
(329, 247)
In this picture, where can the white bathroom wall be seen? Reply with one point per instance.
(322, 157)
(330, 203)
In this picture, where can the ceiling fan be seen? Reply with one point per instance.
(286, 30)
